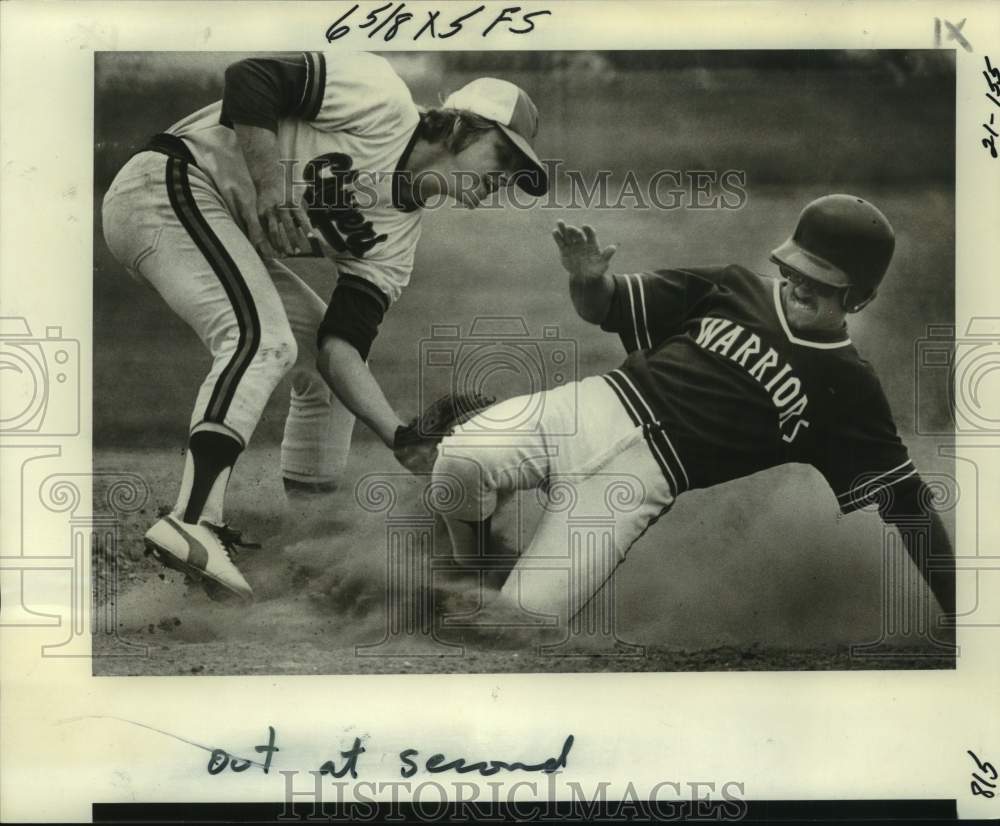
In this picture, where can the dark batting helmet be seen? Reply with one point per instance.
(843, 241)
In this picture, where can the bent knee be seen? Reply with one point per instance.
(273, 358)
(462, 488)
(278, 354)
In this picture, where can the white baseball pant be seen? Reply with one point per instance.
(602, 487)
(166, 223)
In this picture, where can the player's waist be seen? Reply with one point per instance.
(642, 414)
(170, 145)
(694, 446)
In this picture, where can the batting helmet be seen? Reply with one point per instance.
(843, 241)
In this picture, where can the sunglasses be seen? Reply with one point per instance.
(797, 279)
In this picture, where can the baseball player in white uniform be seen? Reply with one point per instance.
(728, 373)
(306, 154)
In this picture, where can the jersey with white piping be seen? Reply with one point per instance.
(724, 388)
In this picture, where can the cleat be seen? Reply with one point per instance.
(204, 552)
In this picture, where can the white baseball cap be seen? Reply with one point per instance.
(516, 115)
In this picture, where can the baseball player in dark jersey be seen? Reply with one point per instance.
(728, 372)
(205, 213)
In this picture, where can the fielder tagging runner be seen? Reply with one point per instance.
(728, 373)
(205, 211)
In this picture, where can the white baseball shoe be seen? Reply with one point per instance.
(203, 551)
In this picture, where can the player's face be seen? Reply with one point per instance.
(811, 306)
(482, 167)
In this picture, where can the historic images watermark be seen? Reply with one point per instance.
(44, 576)
(41, 381)
(457, 361)
(963, 370)
(331, 183)
(546, 799)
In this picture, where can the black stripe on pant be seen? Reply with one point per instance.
(184, 205)
(652, 432)
(621, 397)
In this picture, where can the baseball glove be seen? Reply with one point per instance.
(415, 444)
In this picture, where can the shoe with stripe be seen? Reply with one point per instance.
(204, 552)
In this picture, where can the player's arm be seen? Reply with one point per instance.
(259, 91)
(867, 463)
(340, 363)
(909, 509)
(591, 287)
(345, 338)
(643, 308)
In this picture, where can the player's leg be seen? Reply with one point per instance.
(500, 451)
(319, 427)
(173, 232)
(603, 490)
(513, 446)
(590, 521)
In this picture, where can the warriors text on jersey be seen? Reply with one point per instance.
(724, 388)
(345, 123)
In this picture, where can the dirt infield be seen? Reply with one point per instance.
(322, 608)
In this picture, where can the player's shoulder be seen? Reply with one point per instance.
(367, 63)
(845, 368)
(735, 275)
(366, 69)
(361, 92)
(738, 280)
(714, 274)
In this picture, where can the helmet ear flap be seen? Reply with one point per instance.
(854, 300)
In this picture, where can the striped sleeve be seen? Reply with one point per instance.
(259, 91)
(862, 457)
(357, 92)
(313, 86)
(649, 307)
(874, 487)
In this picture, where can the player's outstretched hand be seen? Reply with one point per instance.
(580, 252)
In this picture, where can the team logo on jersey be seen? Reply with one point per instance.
(333, 208)
(723, 336)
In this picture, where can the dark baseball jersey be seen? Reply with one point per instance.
(724, 388)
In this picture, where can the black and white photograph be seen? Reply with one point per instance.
(527, 361)
(424, 411)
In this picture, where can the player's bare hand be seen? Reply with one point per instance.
(284, 223)
(254, 231)
(580, 252)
